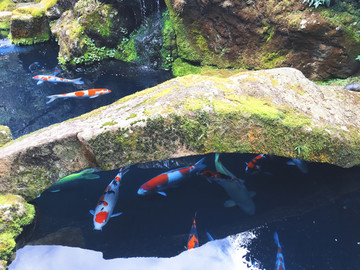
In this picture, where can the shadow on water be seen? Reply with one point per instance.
(315, 214)
(23, 103)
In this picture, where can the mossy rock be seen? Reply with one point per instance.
(14, 214)
(5, 135)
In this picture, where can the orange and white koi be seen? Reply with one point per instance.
(170, 179)
(90, 93)
(193, 240)
(279, 264)
(52, 78)
(106, 204)
(254, 164)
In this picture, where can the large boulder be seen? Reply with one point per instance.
(275, 111)
(321, 42)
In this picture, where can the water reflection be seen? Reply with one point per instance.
(317, 211)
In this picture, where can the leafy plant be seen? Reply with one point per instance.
(317, 3)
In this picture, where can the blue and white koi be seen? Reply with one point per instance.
(239, 195)
(279, 264)
(106, 204)
(51, 78)
(300, 164)
(170, 179)
(90, 93)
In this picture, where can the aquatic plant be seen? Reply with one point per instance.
(317, 3)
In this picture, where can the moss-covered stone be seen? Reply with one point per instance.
(14, 214)
(5, 135)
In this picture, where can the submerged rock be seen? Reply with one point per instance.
(275, 111)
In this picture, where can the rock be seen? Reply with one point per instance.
(68, 236)
(14, 214)
(5, 17)
(5, 135)
(353, 86)
(26, 29)
(275, 111)
(266, 34)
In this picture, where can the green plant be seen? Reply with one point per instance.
(317, 3)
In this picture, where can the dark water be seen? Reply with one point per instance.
(316, 214)
(22, 102)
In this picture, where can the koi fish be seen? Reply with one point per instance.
(193, 240)
(34, 66)
(217, 177)
(300, 164)
(84, 174)
(239, 195)
(90, 93)
(279, 264)
(209, 236)
(170, 179)
(52, 78)
(254, 163)
(106, 204)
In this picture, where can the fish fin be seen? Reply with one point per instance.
(40, 82)
(252, 193)
(290, 162)
(220, 167)
(200, 165)
(56, 190)
(92, 212)
(276, 238)
(116, 214)
(229, 203)
(162, 193)
(91, 176)
(93, 97)
(209, 236)
(77, 81)
(52, 98)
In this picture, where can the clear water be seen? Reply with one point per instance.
(23, 103)
(316, 214)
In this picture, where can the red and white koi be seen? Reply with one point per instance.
(254, 164)
(106, 204)
(279, 264)
(52, 78)
(170, 179)
(90, 93)
(193, 240)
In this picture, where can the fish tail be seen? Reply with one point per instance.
(77, 81)
(200, 164)
(276, 238)
(52, 98)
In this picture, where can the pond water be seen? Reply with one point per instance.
(316, 214)
(23, 105)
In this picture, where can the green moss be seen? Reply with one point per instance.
(7, 5)
(168, 50)
(100, 20)
(181, 68)
(32, 40)
(15, 213)
(110, 123)
(127, 50)
(131, 116)
(36, 11)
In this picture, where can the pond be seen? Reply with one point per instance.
(316, 215)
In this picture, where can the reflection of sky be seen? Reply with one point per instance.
(224, 254)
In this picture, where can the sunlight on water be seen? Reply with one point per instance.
(228, 254)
